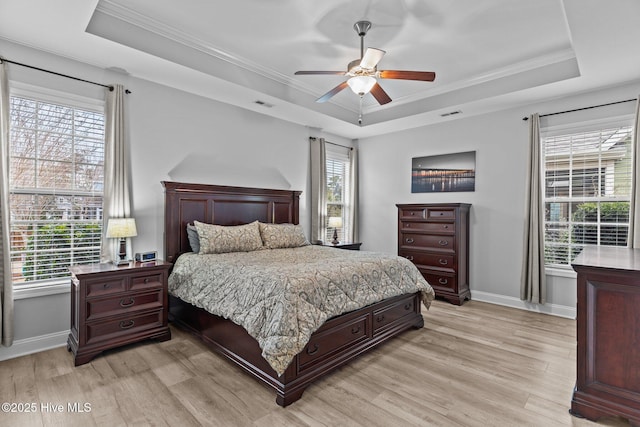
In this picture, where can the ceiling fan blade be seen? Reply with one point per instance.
(371, 57)
(332, 92)
(301, 73)
(380, 95)
(425, 76)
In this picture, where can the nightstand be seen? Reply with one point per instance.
(117, 305)
(344, 245)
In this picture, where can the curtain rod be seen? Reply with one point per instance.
(584, 108)
(333, 143)
(60, 74)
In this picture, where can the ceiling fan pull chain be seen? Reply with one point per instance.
(360, 115)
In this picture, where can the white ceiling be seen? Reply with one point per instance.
(487, 55)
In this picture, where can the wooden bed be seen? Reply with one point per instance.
(339, 340)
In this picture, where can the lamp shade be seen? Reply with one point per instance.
(335, 222)
(121, 227)
(361, 85)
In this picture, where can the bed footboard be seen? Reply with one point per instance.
(340, 340)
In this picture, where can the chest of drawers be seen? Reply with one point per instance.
(435, 237)
(116, 305)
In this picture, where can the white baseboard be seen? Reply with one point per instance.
(553, 309)
(34, 345)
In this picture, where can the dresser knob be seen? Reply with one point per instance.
(443, 242)
(380, 318)
(443, 281)
(127, 325)
(446, 227)
(443, 261)
(106, 286)
(413, 213)
(127, 304)
(355, 330)
(146, 280)
(407, 306)
(409, 240)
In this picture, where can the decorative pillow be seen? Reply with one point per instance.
(276, 236)
(218, 239)
(194, 240)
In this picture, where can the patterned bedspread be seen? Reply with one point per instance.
(282, 296)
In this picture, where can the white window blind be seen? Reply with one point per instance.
(56, 188)
(338, 189)
(587, 179)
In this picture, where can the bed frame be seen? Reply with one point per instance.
(340, 340)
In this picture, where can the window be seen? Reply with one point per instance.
(338, 191)
(56, 184)
(587, 182)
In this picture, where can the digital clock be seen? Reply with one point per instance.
(146, 256)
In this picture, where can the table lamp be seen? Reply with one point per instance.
(335, 222)
(121, 228)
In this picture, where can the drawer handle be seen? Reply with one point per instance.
(443, 261)
(132, 301)
(409, 240)
(446, 227)
(380, 318)
(409, 257)
(106, 286)
(413, 213)
(127, 325)
(407, 306)
(443, 281)
(440, 213)
(355, 330)
(146, 280)
(408, 225)
(443, 242)
(314, 351)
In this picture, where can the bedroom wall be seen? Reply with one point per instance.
(500, 140)
(175, 136)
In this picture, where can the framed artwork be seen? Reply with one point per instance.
(446, 172)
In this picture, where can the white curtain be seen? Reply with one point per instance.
(318, 188)
(6, 286)
(634, 220)
(353, 197)
(533, 287)
(117, 199)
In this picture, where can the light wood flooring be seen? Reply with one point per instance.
(475, 365)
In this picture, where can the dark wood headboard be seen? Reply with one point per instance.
(221, 205)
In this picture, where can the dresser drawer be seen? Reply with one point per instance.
(444, 213)
(123, 326)
(146, 281)
(426, 241)
(413, 213)
(436, 260)
(440, 280)
(109, 285)
(330, 342)
(97, 308)
(429, 227)
(388, 316)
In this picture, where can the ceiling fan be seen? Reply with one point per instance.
(363, 72)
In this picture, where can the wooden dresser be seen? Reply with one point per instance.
(112, 306)
(608, 359)
(435, 237)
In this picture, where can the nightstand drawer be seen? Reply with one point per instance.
(110, 285)
(128, 325)
(146, 281)
(103, 307)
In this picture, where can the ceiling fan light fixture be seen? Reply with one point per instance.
(361, 85)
